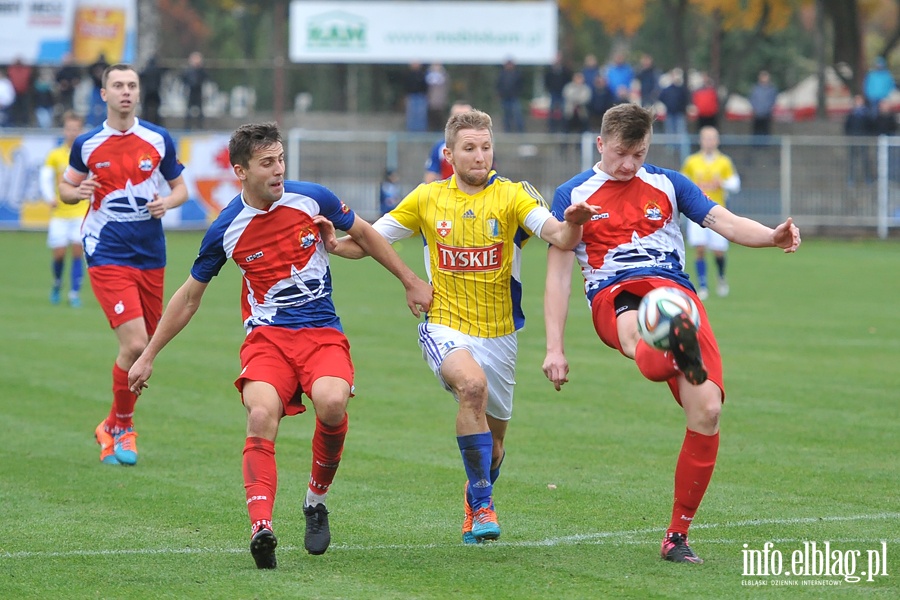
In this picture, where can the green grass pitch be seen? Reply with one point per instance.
(810, 448)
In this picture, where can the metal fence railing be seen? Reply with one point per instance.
(826, 183)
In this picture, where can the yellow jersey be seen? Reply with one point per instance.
(472, 249)
(702, 169)
(58, 160)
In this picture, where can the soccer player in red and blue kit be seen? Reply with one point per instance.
(632, 245)
(295, 344)
(119, 166)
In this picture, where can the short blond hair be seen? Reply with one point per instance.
(471, 119)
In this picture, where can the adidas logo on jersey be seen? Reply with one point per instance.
(469, 214)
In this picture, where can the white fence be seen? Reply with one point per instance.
(830, 185)
(827, 184)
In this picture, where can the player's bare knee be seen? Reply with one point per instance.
(330, 403)
(131, 350)
(472, 391)
(331, 411)
(707, 414)
(629, 344)
(262, 421)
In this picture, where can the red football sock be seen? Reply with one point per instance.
(327, 446)
(260, 480)
(653, 364)
(692, 474)
(123, 401)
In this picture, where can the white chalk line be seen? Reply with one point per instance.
(621, 538)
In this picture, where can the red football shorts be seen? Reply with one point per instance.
(604, 316)
(126, 293)
(292, 359)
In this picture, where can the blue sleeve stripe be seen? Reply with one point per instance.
(530, 189)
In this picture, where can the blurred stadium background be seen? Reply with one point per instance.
(333, 74)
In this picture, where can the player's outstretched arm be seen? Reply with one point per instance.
(753, 234)
(567, 234)
(418, 293)
(344, 247)
(557, 288)
(178, 313)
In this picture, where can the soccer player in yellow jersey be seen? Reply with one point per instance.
(474, 224)
(714, 173)
(65, 219)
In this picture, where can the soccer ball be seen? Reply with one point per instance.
(656, 311)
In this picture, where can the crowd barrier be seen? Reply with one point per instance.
(826, 183)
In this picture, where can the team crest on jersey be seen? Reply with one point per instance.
(653, 212)
(443, 228)
(307, 238)
(344, 208)
(493, 227)
(145, 163)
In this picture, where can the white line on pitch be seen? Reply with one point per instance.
(613, 537)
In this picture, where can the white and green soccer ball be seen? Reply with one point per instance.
(656, 311)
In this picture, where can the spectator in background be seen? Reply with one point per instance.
(576, 101)
(20, 75)
(68, 76)
(438, 81)
(622, 95)
(762, 102)
(556, 77)
(859, 123)
(648, 77)
(676, 98)
(885, 122)
(878, 84)
(44, 98)
(619, 74)
(415, 90)
(390, 193)
(706, 101)
(509, 87)
(7, 97)
(97, 107)
(590, 68)
(194, 76)
(151, 85)
(602, 99)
